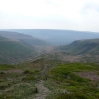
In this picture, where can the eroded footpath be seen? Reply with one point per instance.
(42, 90)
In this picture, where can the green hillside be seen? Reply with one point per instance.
(90, 46)
(13, 51)
(34, 42)
(26, 39)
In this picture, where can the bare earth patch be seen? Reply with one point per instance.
(76, 58)
(14, 71)
(89, 75)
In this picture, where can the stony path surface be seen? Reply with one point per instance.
(42, 91)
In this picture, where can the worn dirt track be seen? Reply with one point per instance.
(42, 91)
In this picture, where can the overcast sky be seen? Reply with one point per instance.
(50, 14)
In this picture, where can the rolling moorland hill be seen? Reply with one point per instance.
(50, 75)
(26, 39)
(82, 47)
(14, 51)
(58, 37)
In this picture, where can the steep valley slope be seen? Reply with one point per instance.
(12, 51)
(26, 39)
(79, 51)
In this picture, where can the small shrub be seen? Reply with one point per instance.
(2, 72)
(27, 72)
(31, 72)
(29, 78)
(34, 90)
(5, 96)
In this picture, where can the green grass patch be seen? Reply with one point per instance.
(5, 96)
(31, 72)
(64, 77)
(75, 96)
(66, 72)
(29, 78)
(6, 67)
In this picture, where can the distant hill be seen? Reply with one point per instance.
(90, 46)
(26, 39)
(14, 51)
(58, 37)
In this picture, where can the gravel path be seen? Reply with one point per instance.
(42, 91)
